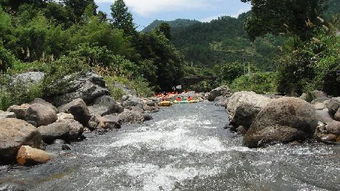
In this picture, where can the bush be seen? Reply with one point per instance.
(261, 82)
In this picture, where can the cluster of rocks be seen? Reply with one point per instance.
(264, 119)
(84, 106)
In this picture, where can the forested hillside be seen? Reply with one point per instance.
(178, 23)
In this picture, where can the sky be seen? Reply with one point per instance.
(146, 11)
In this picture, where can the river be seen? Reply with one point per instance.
(184, 147)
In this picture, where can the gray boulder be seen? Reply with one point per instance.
(220, 91)
(132, 101)
(13, 134)
(105, 105)
(333, 105)
(333, 127)
(244, 106)
(131, 116)
(106, 122)
(282, 120)
(337, 115)
(88, 87)
(20, 111)
(39, 114)
(78, 109)
(28, 78)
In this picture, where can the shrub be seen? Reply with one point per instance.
(261, 82)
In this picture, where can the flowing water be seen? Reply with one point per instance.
(184, 148)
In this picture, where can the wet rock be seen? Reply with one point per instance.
(105, 122)
(283, 120)
(244, 106)
(131, 116)
(220, 91)
(6, 114)
(20, 111)
(328, 137)
(105, 105)
(78, 109)
(333, 127)
(39, 114)
(147, 117)
(31, 156)
(67, 129)
(13, 134)
(87, 87)
(66, 147)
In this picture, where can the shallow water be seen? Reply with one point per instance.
(184, 148)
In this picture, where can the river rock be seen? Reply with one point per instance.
(78, 109)
(129, 101)
(282, 120)
(39, 114)
(131, 116)
(333, 127)
(333, 106)
(337, 115)
(244, 106)
(323, 116)
(45, 103)
(20, 111)
(328, 138)
(6, 114)
(87, 86)
(105, 122)
(220, 91)
(31, 156)
(13, 134)
(105, 105)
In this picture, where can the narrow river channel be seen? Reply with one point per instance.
(184, 147)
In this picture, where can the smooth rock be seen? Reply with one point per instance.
(333, 106)
(244, 106)
(31, 156)
(132, 101)
(220, 91)
(324, 116)
(333, 127)
(319, 106)
(329, 137)
(13, 134)
(283, 120)
(45, 103)
(78, 109)
(105, 122)
(39, 114)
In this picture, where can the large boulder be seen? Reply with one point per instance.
(131, 116)
(105, 105)
(28, 78)
(283, 120)
(20, 111)
(88, 87)
(220, 91)
(31, 156)
(106, 122)
(337, 115)
(13, 134)
(78, 109)
(333, 105)
(333, 127)
(39, 114)
(244, 106)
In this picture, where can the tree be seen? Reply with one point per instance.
(295, 17)
(78, 7)
(122, 18)
(165, 29)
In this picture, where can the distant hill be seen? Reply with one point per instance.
(178, 23)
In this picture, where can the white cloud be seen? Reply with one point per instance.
(149, 7)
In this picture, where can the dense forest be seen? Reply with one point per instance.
(229, 49)
(280, 47)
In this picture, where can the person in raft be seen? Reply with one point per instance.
(178, 99)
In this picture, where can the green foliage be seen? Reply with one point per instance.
(16, 93)
(77, 8)
(122, 18)
(261, 82)
(7, 60)
(297, 17)
(228, 72)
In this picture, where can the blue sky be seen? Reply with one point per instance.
(146, 11)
